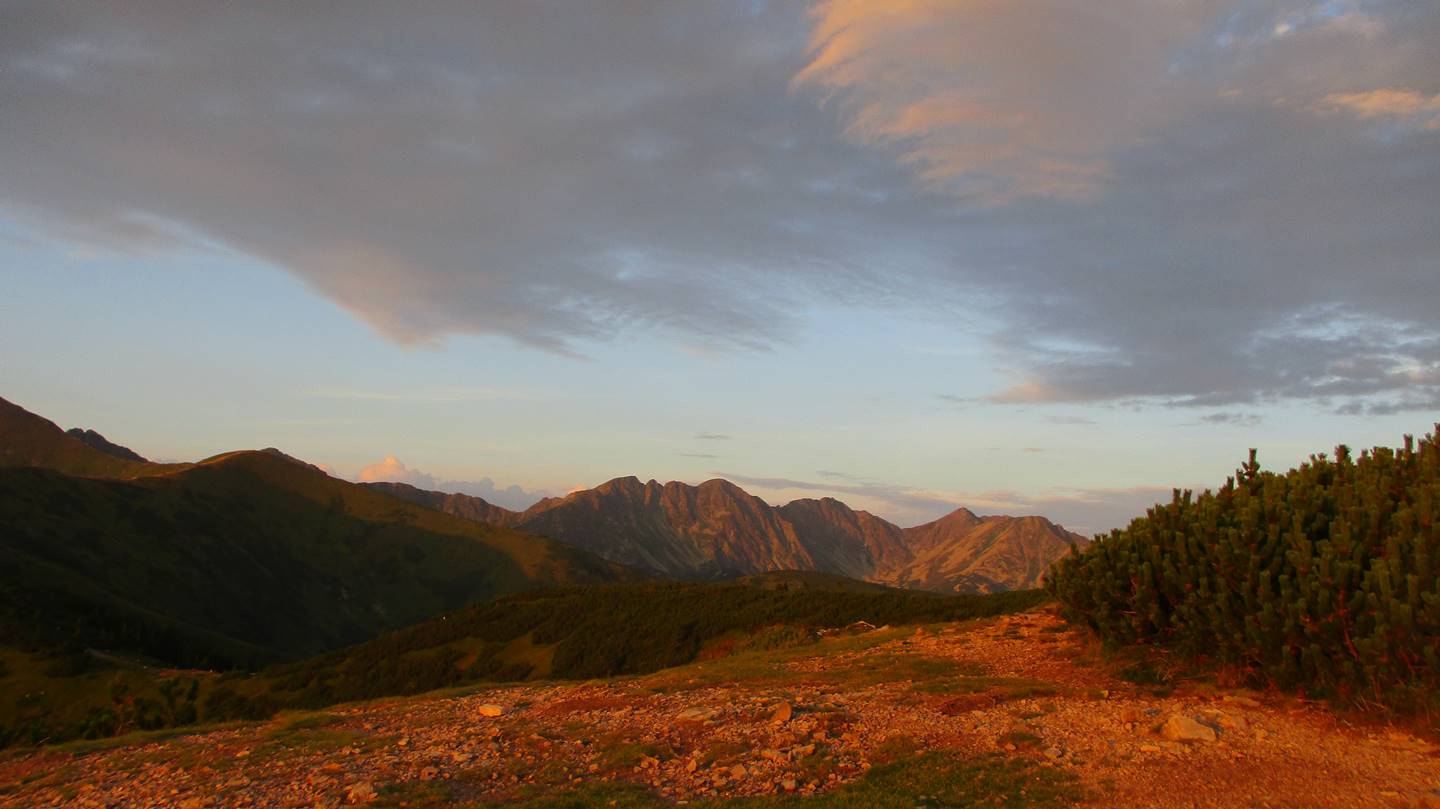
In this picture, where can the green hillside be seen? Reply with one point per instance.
(604, 631)
(28, 440)
(244, 560)
(1322, 579)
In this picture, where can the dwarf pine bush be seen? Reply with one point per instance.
(1323, 579)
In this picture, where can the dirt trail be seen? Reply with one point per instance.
(801, 720)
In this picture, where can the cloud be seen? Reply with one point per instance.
(1197, 203)
(712, 437)
(902, 503)
(391, 469)
(1083, 510)
(698, 455)
(440, 396)
(1232, 419)
(999, 101)
(1405, 108)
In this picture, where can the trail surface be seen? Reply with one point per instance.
(801, 721)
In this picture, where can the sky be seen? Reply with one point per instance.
(1024, 257)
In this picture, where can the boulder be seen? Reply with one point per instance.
(360, 792)
(1181, 728)
(491, 710)
(781, 714)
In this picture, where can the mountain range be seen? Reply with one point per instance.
(718, 530)
(254, 556)
(238, 560)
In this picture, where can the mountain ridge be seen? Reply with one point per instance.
(716, 529)
(241, 559)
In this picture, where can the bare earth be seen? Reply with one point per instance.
(1020, 685)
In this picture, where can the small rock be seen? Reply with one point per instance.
(1054, 752)
(788, 785)
(429, 773)
(1236, 723)
(361, 792)
(781, 714)
(738, 772)
(491, 710)
(1181, 728)
(691, 765)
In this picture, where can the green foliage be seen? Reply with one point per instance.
(572, 633)
(1323, 579)
(604, 631)
(244, 561)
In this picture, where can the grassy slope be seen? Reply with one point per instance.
(566, 633)
(586, 632)
(245, 559)
(30, 440)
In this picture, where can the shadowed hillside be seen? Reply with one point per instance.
(239, 560)
(30, 440)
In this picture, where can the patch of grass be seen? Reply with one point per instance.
(884, 668)
(1143, 674)
(416, 795)
(1022, 739)
(608, 794)
(290, 723)
(1004, 689)
(620, 753)
(932, 779)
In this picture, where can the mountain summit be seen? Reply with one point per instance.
(717, 529)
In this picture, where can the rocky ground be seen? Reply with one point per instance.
(801, 721)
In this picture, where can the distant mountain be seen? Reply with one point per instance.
(717, 530)
(95, 440)
(961, 552)
(30, 440)
(460, 505)
(246, 558)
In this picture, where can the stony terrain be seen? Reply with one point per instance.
(803, 721)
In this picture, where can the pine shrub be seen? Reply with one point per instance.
(1321, 580)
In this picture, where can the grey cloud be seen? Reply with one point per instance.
(1083, 510)
(1232, 419)
(392, 469)
(712, 437)
(901, 502)
(1237, 220)
(512, 497)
